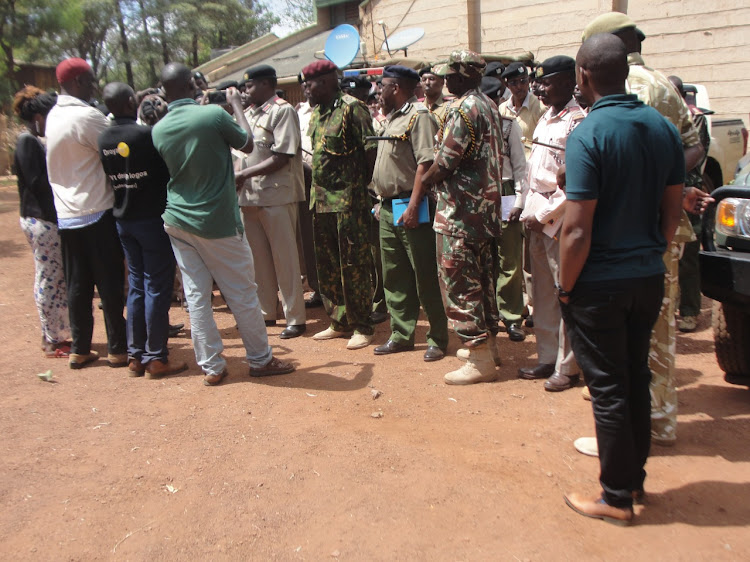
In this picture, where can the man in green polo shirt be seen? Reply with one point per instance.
(203, 222)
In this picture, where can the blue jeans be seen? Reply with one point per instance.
(151, 278)
(227, 261)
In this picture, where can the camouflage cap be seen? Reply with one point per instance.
(611, 22)
(466, 63)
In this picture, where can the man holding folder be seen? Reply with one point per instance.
(405, 152)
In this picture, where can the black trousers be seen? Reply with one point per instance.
(609, 324)
(92, 256)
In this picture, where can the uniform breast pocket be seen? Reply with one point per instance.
(335, 144)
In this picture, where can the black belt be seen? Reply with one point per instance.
(402, 195)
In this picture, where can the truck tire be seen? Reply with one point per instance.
(731, 326)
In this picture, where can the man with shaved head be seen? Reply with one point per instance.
(92, 255)
(203, 222)
(139, 178)
(625, 175)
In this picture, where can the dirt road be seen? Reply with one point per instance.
(97, 465)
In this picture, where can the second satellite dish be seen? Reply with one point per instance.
(342, 45)
(402, 39)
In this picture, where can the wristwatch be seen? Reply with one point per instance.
(560, 291)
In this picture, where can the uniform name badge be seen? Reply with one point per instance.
(399, 206)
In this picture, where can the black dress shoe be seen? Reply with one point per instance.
(542, 371)
(293, 331)
(433, 353)
(378, 317)
(529, 321)
(558, 382)
(392, 347)
(516, 333)
(270, 322)
(314, 301)
(175, 329)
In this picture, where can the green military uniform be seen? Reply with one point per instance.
(408, 254)
(341, 204)
(655, 90)
(467, 218)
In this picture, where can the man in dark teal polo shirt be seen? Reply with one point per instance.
(625, 174)
(203, 222)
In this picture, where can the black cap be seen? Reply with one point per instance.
(490, 86)
(494, 69)
(260, 71)
(355, 83)
(514, 69)
(555, 65)
(227, 84)
(197, 74)
(398, 71)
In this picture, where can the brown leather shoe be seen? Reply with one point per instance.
(274, 367)
(541, 371)
(136, 368)
(213, 380)
(558, 382)
(433, 353)
(157, 368)
(599, 509)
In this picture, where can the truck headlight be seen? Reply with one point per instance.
(733, 217)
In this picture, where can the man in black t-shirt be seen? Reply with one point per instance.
(139, 178)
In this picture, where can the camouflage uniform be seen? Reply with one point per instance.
(341, 204)
(468, 212)
(653, 89)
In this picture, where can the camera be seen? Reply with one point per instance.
(217, 96)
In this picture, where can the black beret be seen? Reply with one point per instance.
(515, 69)
(260, 71)
(355, 82)
(227, 84)
(427, 70)
(398, 71)
(555, 65)
(494, 69)
(197, 74)
(490, 86)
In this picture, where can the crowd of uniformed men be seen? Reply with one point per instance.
(421, 201)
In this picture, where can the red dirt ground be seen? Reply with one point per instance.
(97, 465)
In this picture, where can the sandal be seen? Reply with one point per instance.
(61, 352)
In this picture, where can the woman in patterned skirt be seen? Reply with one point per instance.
(39, 220)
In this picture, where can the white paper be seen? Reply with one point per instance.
(508, 202)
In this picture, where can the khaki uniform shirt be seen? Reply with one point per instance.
(528, 117)
(544, 161)
(276, 130)
(439, 109)
(413, 129)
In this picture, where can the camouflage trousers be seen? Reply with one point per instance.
(344, 262)
(661, 355)
(467, 270)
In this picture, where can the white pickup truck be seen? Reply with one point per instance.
(728, 140)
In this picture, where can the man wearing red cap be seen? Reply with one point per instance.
(92, 254)
(343, 160)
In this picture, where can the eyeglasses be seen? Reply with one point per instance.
(518, 81)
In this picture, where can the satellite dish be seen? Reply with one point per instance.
(342, 45)
(402, 39)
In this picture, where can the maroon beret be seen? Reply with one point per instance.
(317, 68)
(71, 68)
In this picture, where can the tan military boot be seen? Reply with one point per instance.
(463, 353)
(479, 367)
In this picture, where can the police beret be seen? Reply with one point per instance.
(71, 68)
(611, 22)
(398, 71)
(259, 71)
(227, 84)
(490, 86)
(514, 69)
(555, 65)
(640, 34)
(494, 69)
(317, 68)
(355, 82)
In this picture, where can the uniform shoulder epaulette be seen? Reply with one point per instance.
(349, 99)
(281, 101)
(421, 107)
(457, 102)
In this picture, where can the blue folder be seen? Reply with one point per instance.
(399, 206)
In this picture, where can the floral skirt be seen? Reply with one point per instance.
(50, 292)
